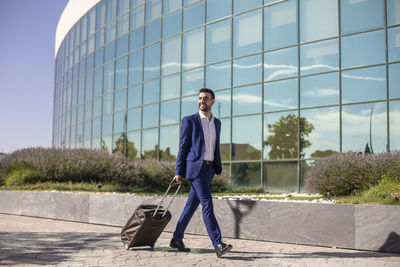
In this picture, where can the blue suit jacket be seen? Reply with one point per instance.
(192, 147)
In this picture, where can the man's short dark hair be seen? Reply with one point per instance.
(207, 90)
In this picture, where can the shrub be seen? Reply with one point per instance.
(387, 188)
(349, 173)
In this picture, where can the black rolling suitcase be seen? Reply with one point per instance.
(146, 224)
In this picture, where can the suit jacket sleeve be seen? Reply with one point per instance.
(184, 147)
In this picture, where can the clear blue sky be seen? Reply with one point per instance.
(27, 30)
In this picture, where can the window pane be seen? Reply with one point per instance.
(189, 106)
(280, 64)
(281, 135)
(121, 77)
(110, 32)
(153, 32)
(123, 6)
(150, 143)
(88, 130)
(171, 5)
(89, 87)
(280, 95)
(97, 107)
(152, 61)
(100, 38)
(318, 19)
(240, 5)
(171, 55)
(119, 122)
(218, 38)
(358, 16)
(119, 143)
(193, 16)
(222, 106)
(246, 138)
(122, 45)
(153, 9)
(319, 131)
(135, 67)
(246, 174)
(137, 17)
(96, 127)
(107, 124)
(91, 21)
(394, 43)
(172, 24)
(90, 62)
(356, 123)
(281, 176)
(150, 116)
(81, 90)
(192, 81)
(319, 57)
(247, 70)
(120, 100)
(170, 87)
(134, 119)
(133, 145)
(169, 142)
(136, 39)
(394, 127)
(393, 12)
(193, 49)
(135, 96)
(225, 139)
(364, 84)
(170, 112)
(217, 9)
(109, 77)
(151, 91)
(109, 52)
(247, 100)
(394, 81)
(363, 49)
(100, 14)
(218, 76)
(79, 135)
(247, 33)
(111, 10)
(319, 90)
(88, 110)
(99, 57)
(123, 25)
(108, 101)
(280, 25)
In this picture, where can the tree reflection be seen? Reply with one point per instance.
(322, 153)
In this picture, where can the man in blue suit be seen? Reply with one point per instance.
(198, 160)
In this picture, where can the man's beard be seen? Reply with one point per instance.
(204, 107)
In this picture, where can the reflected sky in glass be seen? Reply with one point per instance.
(393, 12)
(136, 39)
(247, 99)
(246, 137)
(151, 91)
(193, 16)
(135, 67)
(394, 81)
(150, 116)
(170, 87)
(247, 33)
(189, 106)
(169, 139)
(222, 105)
(120, 100)
(152, 32)
(152, 61)
(172, 24)
(218, 38)
(134, 119)
(247, 70)
(135, 96)
(217, 9)
(107, 124)
(170, 112)
(319, 90)
(192, 81)
(120, 124)
(108, 103)
(394, 43)
(280, 64)
(394, 124)
(171, 55)
(319, 57)
(193, 49)
(280, 95)
(218, 76)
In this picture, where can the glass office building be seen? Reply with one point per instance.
(295, 80)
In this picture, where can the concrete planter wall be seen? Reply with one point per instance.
(366, 227)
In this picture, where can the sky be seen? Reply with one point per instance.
(27, 30)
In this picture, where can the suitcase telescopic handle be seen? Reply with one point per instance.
(162, 200)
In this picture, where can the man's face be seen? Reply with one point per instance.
(205, 101)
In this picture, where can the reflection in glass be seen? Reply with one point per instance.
(122, 45)
(246, 138)
(218, 76)
(137, 17)
(134, 119)
(119, 143)
(280, 64)
(152, 61)
(121, 77)
(97, 107)
(108, 101)
(393, 12)
(79, 135)
(172, 24)
(153, 9)
(136, 39)
(193, 49)
(109, 51)
(318, 19)
(170, 112)
(110, 32)
(171, 55)
(171, 5)
(96, 127)
(123, 6)
(281, 135)
(222, 105)
(107, 124)
(99, 57)
(170, 87)
(192, 81)
(152, 32)
(99, 40)
(247, 100)
(87, 130)
(135, 96)
(108, 77)
(106, 143)
(122, 25)
(394, 81)
(150, 91)
(89, 86)
(362, 124)
(225, 139)
(133, 145)
(247, 70)
(364, 84)
(320, 132)
(246, 174)
(319, 90)
(217, 9)
(394, 125)
(280, 95)
(358, 16)
(363, 49)
(280, 24)
(218, 38)
(169, 142)
(189, 106)
(150, 143)
(281, 176)
(319, 57)
(150, 116)
(120, 122)
(247, 33)
(88, 110)
(193, 16)
(394, 43)
(240, 5)
(120, 100)
(135, 67)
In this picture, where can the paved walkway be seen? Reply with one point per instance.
(27, 241)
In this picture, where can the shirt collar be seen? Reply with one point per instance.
(202, 116)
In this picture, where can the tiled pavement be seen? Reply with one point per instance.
(28, 241)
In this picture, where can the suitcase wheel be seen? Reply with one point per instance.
(126, 246)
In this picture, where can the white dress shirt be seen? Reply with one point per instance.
(209, 135)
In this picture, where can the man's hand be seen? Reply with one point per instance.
(177, 180)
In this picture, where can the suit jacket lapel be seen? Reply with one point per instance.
(200, 126)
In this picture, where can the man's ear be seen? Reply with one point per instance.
(213, 101)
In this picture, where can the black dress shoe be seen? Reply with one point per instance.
(222, 248)
(179, 245)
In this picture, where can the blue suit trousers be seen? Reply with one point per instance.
(200, 193)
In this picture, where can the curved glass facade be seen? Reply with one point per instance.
(294, 80)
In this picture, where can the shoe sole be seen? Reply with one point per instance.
(188, 249)
(225, 251)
